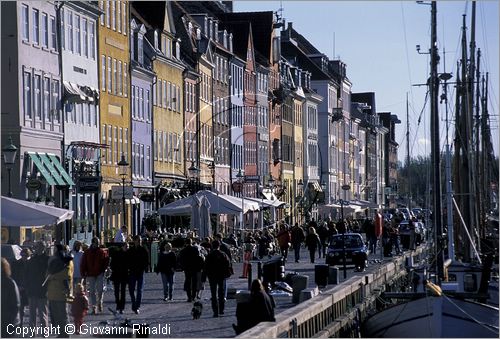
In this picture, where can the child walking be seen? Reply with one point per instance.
(79, 307)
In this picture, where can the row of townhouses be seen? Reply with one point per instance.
(166, 89)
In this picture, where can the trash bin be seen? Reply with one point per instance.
(321, 274)
(273, 270)
(299, 283)
(333, 275)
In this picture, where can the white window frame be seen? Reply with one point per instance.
(103, 73)
(25, 10)
(85, 38)
(36, 26)
(45, 30)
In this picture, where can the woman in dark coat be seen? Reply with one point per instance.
(119, 275)
(11, 300)
(167, 261)
(312, 243)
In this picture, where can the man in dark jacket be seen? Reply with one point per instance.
(119, 275)
(138, 261)
(94, 262)
(20, 276)
(35, 290)
(217, 270)
(192, 263)
(297, 237)
(10, 300)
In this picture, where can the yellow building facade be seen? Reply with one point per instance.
(114, 87)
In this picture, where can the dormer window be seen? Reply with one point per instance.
(156, 39)
(177, 50)
(190, 29)
(205, 31)
(224, 39)
(216, 30)
(198, 34)
(231, 42)
(211, 26)
(140, 46)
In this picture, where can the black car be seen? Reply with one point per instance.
(355, 250)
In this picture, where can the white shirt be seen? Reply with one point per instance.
(120, 236)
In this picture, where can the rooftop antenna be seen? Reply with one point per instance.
(333, 56)
(280, 21)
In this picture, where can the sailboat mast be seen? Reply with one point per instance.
(408, 152)
(479, 172)
(436, 187)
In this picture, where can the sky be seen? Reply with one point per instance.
(377, 40)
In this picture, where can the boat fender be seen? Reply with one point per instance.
(434, 289)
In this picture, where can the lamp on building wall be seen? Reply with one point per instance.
(9, 158)
(123, 166)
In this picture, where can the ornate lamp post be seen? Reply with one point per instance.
(194, 175)
(9, 158)
(342, 203)
(123, 166)
(241, 180)
(300, 187)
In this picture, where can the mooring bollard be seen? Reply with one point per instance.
(249, 276)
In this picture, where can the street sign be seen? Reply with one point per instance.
(117, 192)
(252, 178)
(88, 184)
(33, 184)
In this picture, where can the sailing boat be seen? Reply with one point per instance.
(442, 302)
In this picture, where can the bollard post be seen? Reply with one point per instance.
(259, 270)
(249, 276)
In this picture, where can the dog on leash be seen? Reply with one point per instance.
(196, 310)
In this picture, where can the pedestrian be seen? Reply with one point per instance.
(259, 308)
(20, 274)
(138, 262)
(312, 243)
(167, 262)
(59, 287)
(284, 241)
(35, 289)
(217, 270)
(192, 262)
(369, 228)
(322, 231)
(297, 236)
(119, 275)
(248, 248)
(79, 307)
(121, 234)
(77, 254)
(11, 300)
(94, 263)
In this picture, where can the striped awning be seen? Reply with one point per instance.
(133, 201)
(51, 169)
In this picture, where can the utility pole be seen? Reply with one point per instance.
(408, 152)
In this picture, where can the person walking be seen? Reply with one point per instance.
(11, 300)
(79, 307)
(167, 262)
(119, 275)
(35, 289)
(322, 231)
(121, 234)
(312, 243)
(20, 274)
(284, 241)
(59, 287)
(138, 261)
(92, 267)
(192, 263)
(77, 254)
(217, 270)
(297, 238)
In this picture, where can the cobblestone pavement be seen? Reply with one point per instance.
(176, 316)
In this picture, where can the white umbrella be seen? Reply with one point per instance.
(205, 225)
(195, 212)
(219, 204)
(19, 213)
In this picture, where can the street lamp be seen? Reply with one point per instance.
(342, 202)
(194, 174)
(271, 181)
(241, 180)
(9, 158)
(300, 186)
(123, 166)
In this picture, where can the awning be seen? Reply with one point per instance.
(269, 195)
(92, 94)
(72, 93)
(20, 213)
(267, 203)
(316, 186)
(51, 169)
(133, 201)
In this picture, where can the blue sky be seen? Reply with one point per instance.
(377, 39)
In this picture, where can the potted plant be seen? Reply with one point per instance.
(152, 222)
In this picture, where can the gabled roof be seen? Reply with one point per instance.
(241, 34)
(288, 50)
(152, 12)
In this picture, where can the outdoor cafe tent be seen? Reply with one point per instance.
(219, 204)
(19, 213)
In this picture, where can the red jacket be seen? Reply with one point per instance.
(80, 305)
(94, 262)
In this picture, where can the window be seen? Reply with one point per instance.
(119, 79)
(37, 95)
(85, 38)
(46, 98)
(155, 145)
(140, 54)
(110, 144)
(115, 79)
(53, 33)
(148, 109)
(62, 28)
(36, 27)
(78, 47)
(109, 75)
(107, 13)
(141, 103)
(26, 23)
(27, 95)
(125, 80)
(113, 16)
(169, 95)
(119, 16)
(124, 20)
(142, 161)
(56, 96)
(70, 31)
(92, 41)
(120, 142)
(164, 94)
(115, 148)
(103, 72)
(125, 137)
(45, 30)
